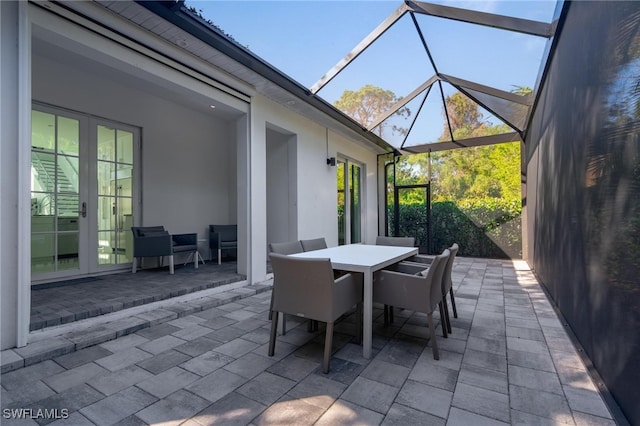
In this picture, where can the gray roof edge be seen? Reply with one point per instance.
(177, 14)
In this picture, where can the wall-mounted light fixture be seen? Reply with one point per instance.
(331, 161)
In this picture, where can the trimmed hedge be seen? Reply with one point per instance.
(482, 229)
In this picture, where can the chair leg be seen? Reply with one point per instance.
(443, 321)
(359, 314)
(432, 332)
(328, 341)
(446, 312)
(134, 265)
(386, 315)
(195, 259)
(274, 329)
(171, 269)
(453, 303)
(219, 256)
(284, 324)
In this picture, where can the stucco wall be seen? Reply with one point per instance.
(316, 184)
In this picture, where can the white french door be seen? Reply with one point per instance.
(83, 193)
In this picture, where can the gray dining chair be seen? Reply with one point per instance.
(447, 281)
(447, 286)
(289, 247)
(382, 240)
(314, 244)
(421, 292)
(306, 288)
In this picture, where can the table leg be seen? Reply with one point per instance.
(367, 314)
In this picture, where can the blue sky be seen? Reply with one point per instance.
(305, 39)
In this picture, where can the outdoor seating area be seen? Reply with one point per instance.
(155, 241)
(205, 361)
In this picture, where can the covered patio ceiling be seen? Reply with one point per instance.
(439, 61)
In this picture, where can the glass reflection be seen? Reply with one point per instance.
(125, 146)
(68, 136)
(106, 143)
(55, 184)
(68, 251)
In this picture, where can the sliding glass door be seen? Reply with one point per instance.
(349, 178)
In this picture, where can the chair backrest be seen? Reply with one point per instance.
(314, 244)
(434, 276)
(141, 231)
(395, 241)
(447, 283)
(302, 287)
(415, 289)
(227, 232)
(151, 241)
(290, 247)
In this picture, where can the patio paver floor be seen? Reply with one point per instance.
(203, 361)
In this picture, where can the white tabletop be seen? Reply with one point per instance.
(360, 257)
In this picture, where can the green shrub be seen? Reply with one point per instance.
(485, 228)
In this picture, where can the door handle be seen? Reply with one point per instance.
(83, 210)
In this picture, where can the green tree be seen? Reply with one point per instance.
(368, 103)
(464, 117)
(475, 174)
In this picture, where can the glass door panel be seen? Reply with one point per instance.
(115, 152)
(355, 203)
(349, 180)
(342, 224)
(55, 193)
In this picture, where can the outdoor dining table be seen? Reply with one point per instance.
(365, 259)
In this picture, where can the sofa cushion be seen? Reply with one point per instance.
(184, 248)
